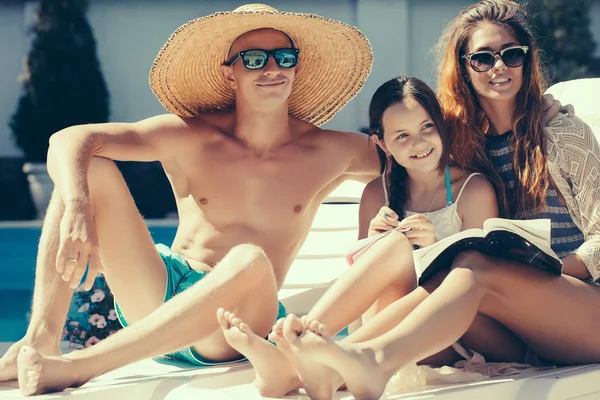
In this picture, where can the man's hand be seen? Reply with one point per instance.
(385, 220)
(421, 232)
(553, 107)
(78, 246)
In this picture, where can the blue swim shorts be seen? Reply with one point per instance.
(179, 278)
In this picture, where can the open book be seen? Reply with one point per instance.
(526, 241)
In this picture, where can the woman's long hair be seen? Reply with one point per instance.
(392, 92)
(466, 119)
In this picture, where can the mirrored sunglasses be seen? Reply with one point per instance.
(254, 59)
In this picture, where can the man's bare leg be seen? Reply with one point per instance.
(243, 280)
(51, 297)
(121, 223)
(136, 273)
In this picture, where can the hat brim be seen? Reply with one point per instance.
(335, 60)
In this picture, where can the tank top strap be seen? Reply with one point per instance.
(465, 184)
(385, 189)
(448, 188)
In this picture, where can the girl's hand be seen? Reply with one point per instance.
(385, 220)
(421, 232)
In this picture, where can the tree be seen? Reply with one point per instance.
(562, 29)
(62, 81)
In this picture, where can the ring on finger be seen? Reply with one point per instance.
(385, 214)
(72, 259)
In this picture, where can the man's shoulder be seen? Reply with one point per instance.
(335, 134)
(348, 135)
(202, 123)
(341, 138)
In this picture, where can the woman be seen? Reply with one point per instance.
(491, 81)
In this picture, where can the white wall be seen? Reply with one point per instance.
(428, 20)
(130, 33)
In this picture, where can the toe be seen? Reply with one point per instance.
(273, 337)
(292, 328)
(244, 327)
(314, 326)
(323, 331)
(222, 320)
(278, 327)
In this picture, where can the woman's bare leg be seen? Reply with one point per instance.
(485, 335)
(542, 309)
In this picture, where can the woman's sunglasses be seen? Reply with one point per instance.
(482, 61)
(257, 58)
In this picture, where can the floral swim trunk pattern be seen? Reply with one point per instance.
(92, 316)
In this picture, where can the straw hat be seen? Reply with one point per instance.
(335, 60)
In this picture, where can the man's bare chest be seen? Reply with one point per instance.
(277, 192)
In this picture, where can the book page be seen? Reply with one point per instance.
(536, 231)
(423, 257)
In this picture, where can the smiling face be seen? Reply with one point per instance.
(267, 87)
(500, 83)
(411, 136)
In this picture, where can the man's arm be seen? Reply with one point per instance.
(364, 164)
(72, 149)
(69, 156)
(552, 107)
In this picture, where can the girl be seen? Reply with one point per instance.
(421, 192)
(491, 86)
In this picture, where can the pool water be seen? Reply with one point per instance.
(15, 306)
(18, 250)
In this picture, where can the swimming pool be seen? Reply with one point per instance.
(18, 251)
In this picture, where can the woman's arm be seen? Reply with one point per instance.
(574, 155)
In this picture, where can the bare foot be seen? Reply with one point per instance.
(275, 375)
(8, 362)
(39, 374)
(320, 381)
(358, 368)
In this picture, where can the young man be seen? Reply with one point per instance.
(247, 164)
